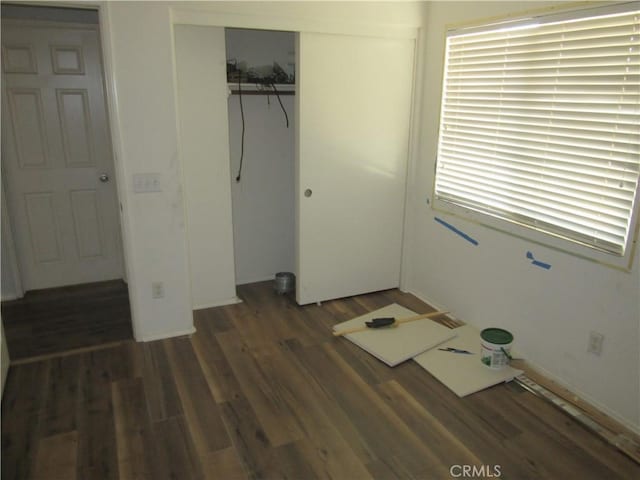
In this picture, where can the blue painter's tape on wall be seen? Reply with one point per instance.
(455, 230)
(537, 263)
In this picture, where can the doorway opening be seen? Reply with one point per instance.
(261, 107)
(63, 276)
(351, 149)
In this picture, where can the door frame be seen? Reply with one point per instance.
(9, 248)
(111, 112)
(12, 250)
(218, 16)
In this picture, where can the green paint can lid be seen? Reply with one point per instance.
(498, 336)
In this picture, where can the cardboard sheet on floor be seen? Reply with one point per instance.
(397, 344)
(461, 373)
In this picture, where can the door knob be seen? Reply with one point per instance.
(307, 192)
(104, 178)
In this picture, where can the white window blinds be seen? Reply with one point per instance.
(540, 123)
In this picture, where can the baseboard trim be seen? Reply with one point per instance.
(230, 301)
(579, 399)
(8, 298)
(255, 280)
(436, 305)
(162, 336)
(555, 384)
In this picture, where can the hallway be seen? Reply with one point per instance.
(55, 320)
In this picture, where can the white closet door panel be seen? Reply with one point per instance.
(354, 116)
(204, 150)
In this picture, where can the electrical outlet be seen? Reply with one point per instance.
(595, 343)
(157, 290)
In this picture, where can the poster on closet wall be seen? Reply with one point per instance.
(262, 57)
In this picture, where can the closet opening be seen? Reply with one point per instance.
(261, 80)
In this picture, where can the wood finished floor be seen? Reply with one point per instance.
(60, 319)
(263, 390)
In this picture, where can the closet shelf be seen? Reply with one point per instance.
(260, 89)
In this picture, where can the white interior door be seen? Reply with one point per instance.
(56, 156)
(354, 116)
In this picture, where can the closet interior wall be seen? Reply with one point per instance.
(263, 200)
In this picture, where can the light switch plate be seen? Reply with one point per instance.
(147, 182)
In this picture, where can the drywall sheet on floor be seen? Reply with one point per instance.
(461, 373)
(394, 345)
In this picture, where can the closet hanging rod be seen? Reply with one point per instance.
(262, 88)
(235, 91)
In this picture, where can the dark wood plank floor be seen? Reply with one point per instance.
(60, 319)
(263, 390)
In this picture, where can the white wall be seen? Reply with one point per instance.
(10, 285)
(138, 44)
(141, 86)
(361, 17)
(263, 201)
(4, 357)
(550, 312)
(9, 291)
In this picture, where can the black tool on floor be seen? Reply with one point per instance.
(386, 322)
(380, 322)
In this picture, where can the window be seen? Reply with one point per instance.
(540, 124)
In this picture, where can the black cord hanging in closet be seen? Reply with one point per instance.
(242, 138)
(286, 117)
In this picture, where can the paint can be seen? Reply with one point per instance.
(495, 350)
(285, 282)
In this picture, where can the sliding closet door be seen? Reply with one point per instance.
(354, 112)
(204, 151)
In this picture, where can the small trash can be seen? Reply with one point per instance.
(285, 282)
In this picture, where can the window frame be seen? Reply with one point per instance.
(511, 226)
